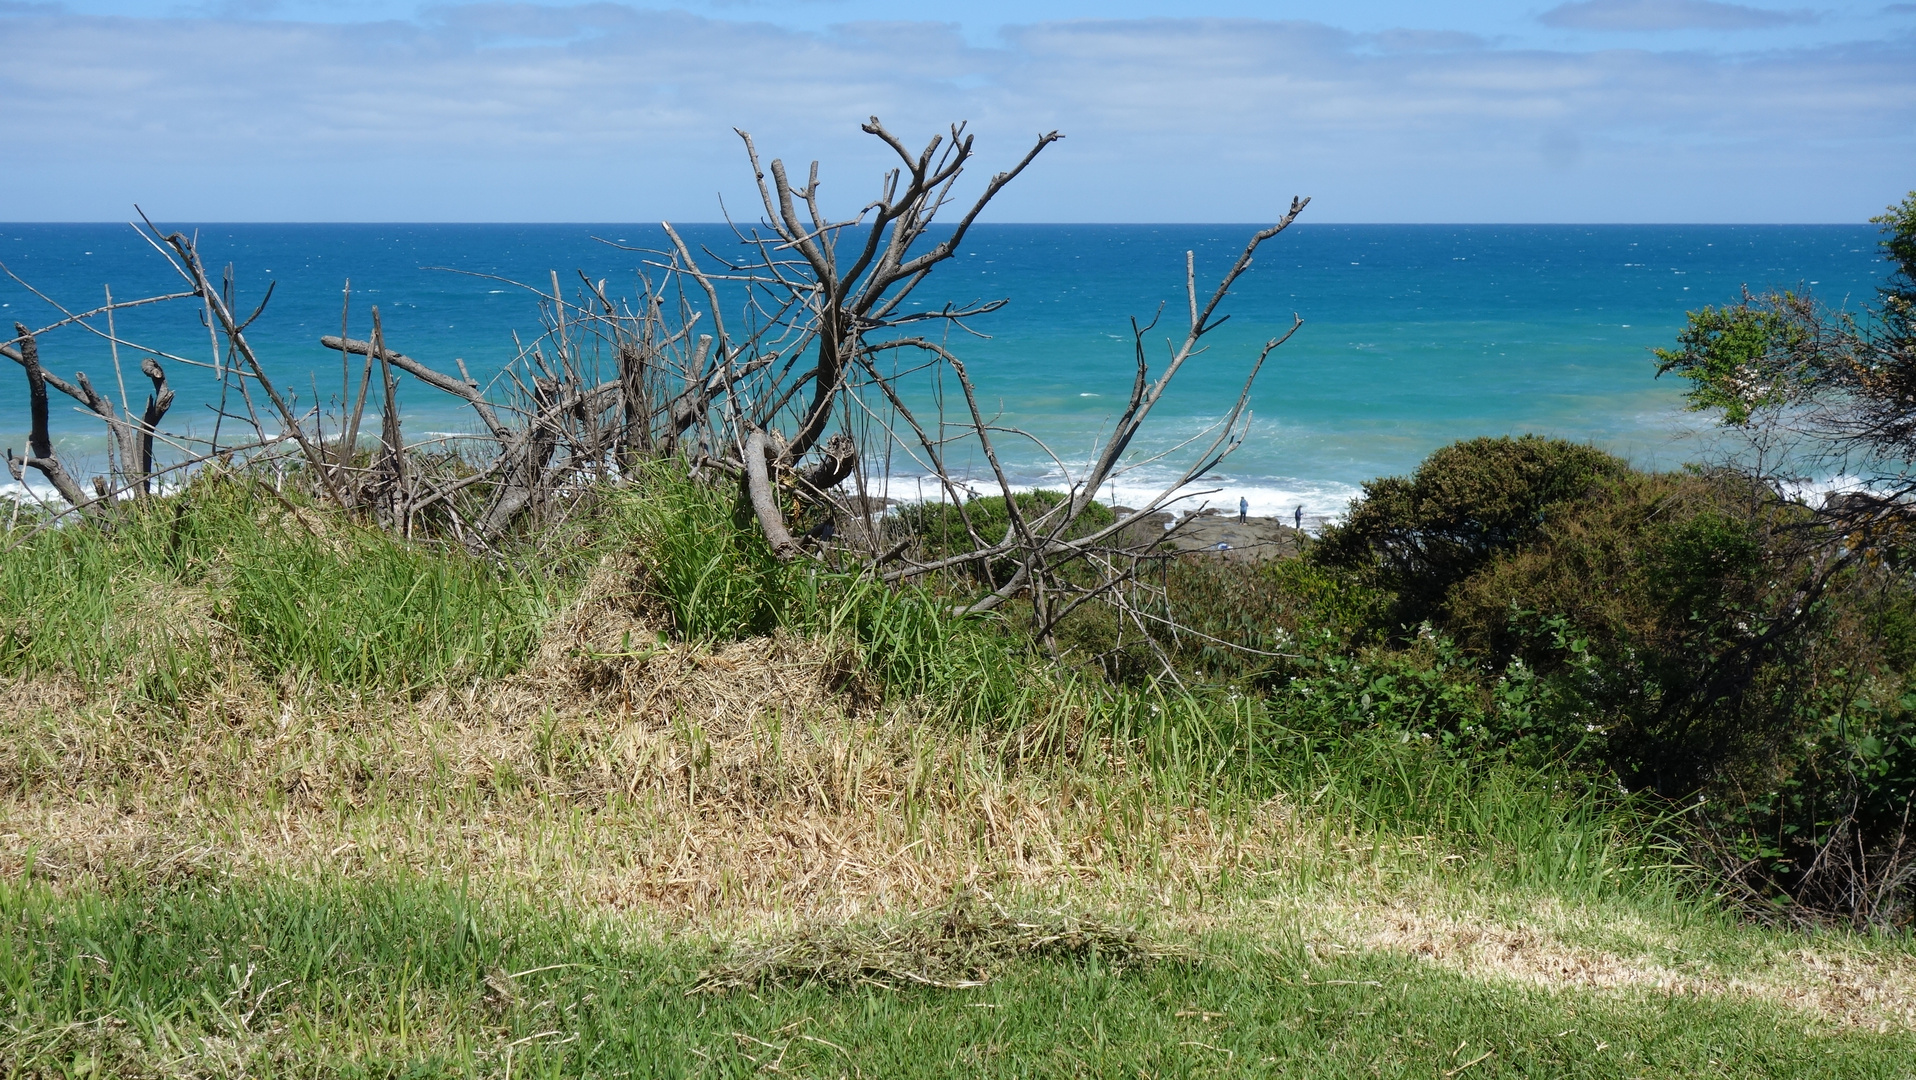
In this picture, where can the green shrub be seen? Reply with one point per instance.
(1418, 537)
(1830, 827)
(1253, 621)
(1666, 608)
(1664, 633)
(1669, 630)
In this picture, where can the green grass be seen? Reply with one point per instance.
(229, 968)
(72, 601)
(308, 595)
(719, 582)
(415, 980)
(357, 609)
(1213, 747)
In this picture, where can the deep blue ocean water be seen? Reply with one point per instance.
(1414, 335)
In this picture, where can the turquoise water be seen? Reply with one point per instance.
(1414, 336)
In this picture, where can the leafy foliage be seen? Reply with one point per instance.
(1814, 802)
(1417, 538)
(1667, 612)
(1899, 246)
(1286, 607)
(1743, 358)
(1683, 634)
(1849, 380)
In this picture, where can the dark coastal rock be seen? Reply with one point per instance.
(1254, 540)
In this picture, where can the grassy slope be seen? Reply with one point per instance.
(376, 979)
(384, 817)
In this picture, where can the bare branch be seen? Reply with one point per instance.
(764, 503)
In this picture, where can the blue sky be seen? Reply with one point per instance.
(1585, 111)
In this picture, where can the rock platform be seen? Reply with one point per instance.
(1254, 540)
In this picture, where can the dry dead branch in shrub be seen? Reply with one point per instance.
(1853, 877)
(134, 438)
(800, 364)
(40, 441)
(831, 298)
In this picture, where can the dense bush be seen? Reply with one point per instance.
(1669, 611)
(1686, 634)
(1418, 537)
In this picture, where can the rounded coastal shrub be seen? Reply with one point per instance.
(1418, 537)
(1694, 634)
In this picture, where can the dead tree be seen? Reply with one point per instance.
(130, 461)
(839, 303)
(839, 291)
(40, 455)
(775, 365)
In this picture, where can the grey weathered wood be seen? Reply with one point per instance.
(40, 456)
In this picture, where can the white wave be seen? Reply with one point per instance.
(1322, 501)
(1814, 492)
(35, 492)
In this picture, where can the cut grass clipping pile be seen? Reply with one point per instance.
(285, 797)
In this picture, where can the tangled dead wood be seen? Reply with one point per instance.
(773, 367)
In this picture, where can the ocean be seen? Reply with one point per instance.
(1414, 335)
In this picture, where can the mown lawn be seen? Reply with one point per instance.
(409, 980)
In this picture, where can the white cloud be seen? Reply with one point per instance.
(1647, 15)
(1401, 40)
(606, 112)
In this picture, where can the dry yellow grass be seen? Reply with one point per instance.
(761, 778)
(755, 786)
(1844, 984)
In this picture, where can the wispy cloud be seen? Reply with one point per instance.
(606, 112)
(1642, 15)
(1403, 41)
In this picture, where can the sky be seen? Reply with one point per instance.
(1207, 110)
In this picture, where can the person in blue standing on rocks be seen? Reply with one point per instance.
(1297, 518)
(1243, 509)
